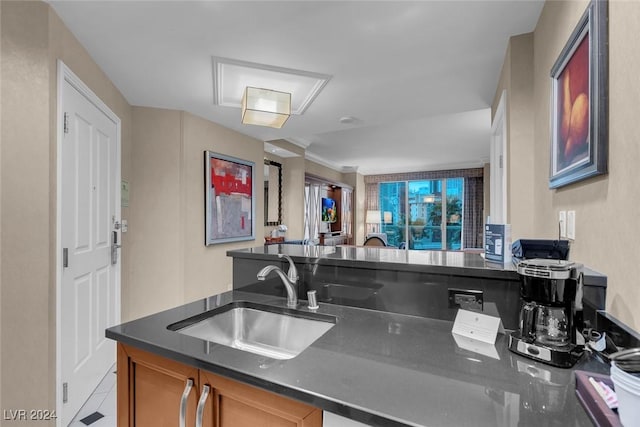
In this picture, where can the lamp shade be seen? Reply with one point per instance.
(373, 217)
(265, 107)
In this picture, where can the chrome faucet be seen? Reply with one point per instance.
(290, 286)
(293, 272)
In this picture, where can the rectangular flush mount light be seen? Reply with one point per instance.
(264, 107)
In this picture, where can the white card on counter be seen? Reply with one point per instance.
(477, 326)
(470, 344)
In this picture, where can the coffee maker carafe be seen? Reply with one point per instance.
(551, 292)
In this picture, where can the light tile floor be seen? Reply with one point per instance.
(102, 400)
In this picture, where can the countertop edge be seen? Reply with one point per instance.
(488, 271)
(450, 270)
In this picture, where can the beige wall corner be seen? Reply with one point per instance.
(33, 39)
(606, 233)
(486, 192)
(27, 294)
(293, 170)
(155, 217)
(293, 196)
(517, 80)
(281, 143)
(321, 171)
(166, 229)
(606, 207)
(207, 269)
(268, 228)
(65, 47)
(1, 406)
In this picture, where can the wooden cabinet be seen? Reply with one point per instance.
(151, 388)
(232, 404)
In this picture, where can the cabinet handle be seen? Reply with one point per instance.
(183, 402)
(201, 403)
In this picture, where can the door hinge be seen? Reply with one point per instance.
(66, 123)
(501, 161)
(65, 257)
(65, 392)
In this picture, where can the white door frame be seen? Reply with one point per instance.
(65, 74)
(498, 155)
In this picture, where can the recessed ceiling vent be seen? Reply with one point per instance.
(231, 77)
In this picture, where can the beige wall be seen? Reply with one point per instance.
(207, 269)
(486, 182)
(293, 171)
(26, 228)
(166, 230)
(64, 46)
(33, 38)
(155, 217)
(320, 171)
(1, 406)
(517, 79)
(268, 228)
(606, 207)
(292, 190)
(293, 196)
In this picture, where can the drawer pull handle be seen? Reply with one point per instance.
(183, 402)
(201, 403)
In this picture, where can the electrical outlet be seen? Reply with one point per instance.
(571, 225)
(467, 299)
(562, 220)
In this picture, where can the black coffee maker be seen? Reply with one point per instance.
(551, 292)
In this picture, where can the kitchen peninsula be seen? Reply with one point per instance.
(420, 283)
(388, 358)
(375, 367)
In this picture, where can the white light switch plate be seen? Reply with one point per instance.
(562, 219)
(571, 225)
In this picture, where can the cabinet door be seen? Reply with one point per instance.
(233, 404)
(150, 390)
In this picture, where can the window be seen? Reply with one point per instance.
(414, 216)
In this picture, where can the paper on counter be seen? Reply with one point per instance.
(476, 346)
(476, 325)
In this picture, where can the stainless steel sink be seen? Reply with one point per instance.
(274, 332)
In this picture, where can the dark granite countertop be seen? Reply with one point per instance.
(381, 258)
(450, 262)
(381, 369)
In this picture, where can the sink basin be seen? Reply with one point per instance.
(274, 332)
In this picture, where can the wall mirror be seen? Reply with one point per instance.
(272, 192)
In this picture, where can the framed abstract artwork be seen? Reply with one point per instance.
(579, 101)
(229, 199)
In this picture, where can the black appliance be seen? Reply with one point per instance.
(551, 292)
(540, 248)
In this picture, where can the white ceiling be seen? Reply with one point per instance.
(418, 77)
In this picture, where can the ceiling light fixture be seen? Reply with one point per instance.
(265, 107)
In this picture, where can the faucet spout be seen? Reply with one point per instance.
(292, 294)
(293, 271)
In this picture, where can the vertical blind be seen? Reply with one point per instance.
(311, 207)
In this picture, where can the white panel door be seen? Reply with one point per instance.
(88, 304)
